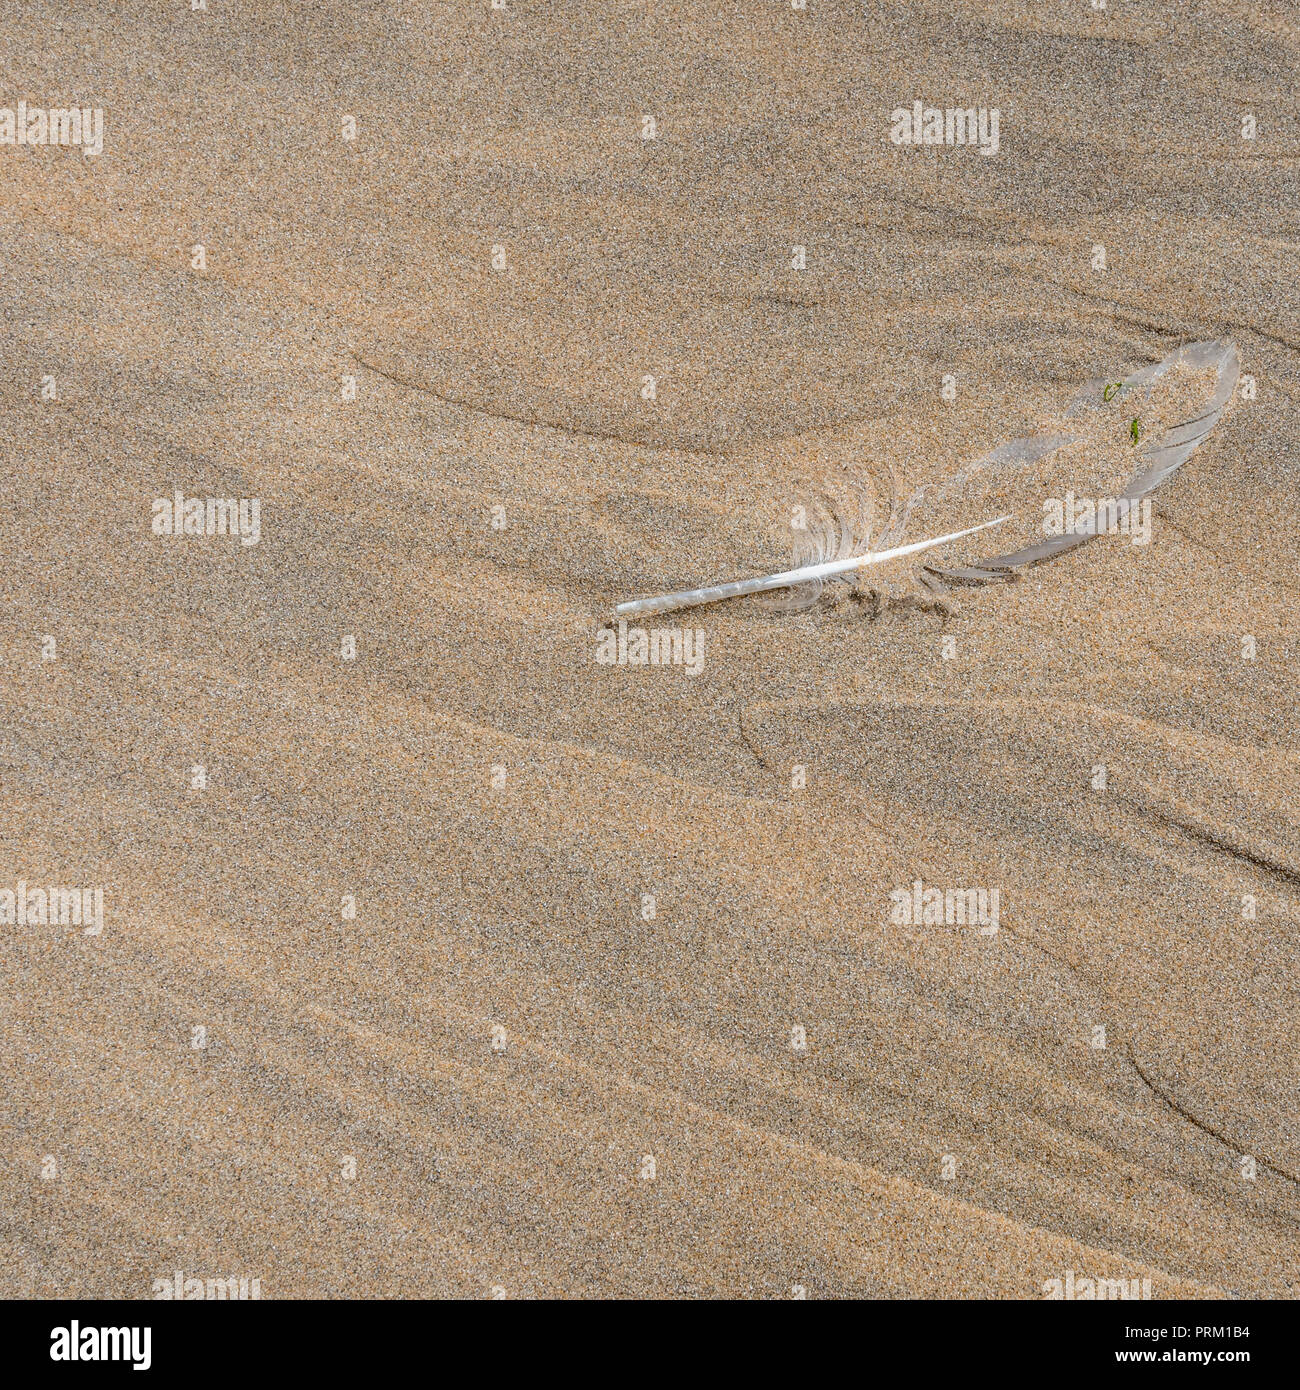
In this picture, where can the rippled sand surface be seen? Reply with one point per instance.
(597, 907)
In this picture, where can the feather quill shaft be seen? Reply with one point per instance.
(689, 598)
